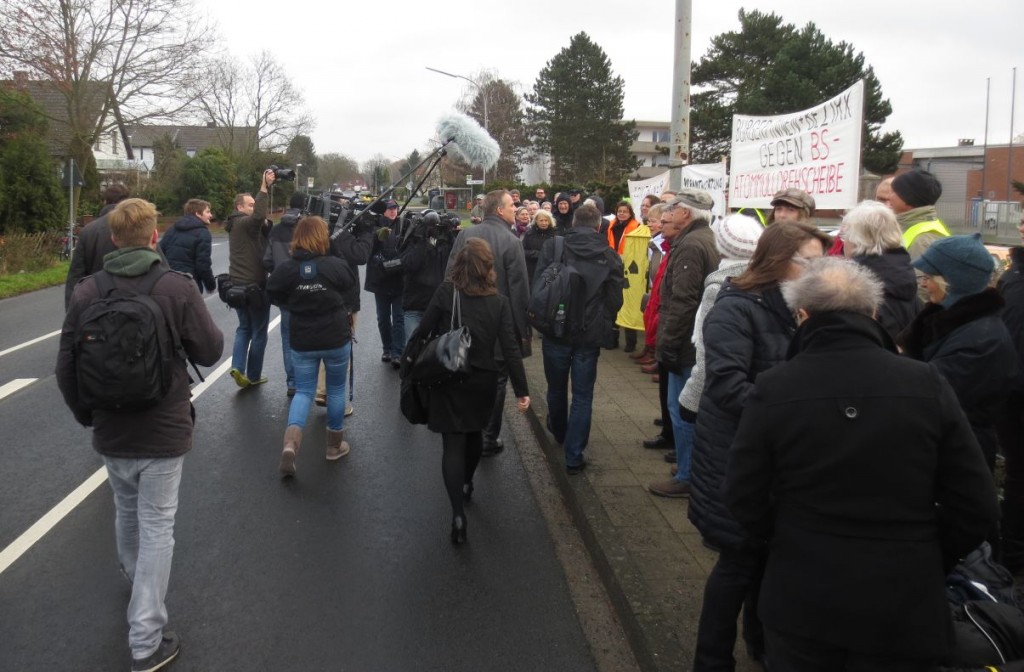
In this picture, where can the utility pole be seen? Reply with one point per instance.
(679, 142)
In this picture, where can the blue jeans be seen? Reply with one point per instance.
(306, 363)
(682, 431)
(412, 319)
(286, 347)
(145, 500)
(391, 323)
(570, 424)
(251, 340)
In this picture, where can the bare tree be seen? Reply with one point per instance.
(504, 121)
(258, 96)
(125, 61)
(147, 51)
(334, 168)
(378, 171)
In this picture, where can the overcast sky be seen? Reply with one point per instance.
(365, 82)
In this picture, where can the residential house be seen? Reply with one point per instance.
(190, 139)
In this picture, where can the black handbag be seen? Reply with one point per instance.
(445, 358)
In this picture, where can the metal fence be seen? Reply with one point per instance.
(996, 221)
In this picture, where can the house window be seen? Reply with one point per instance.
(661, 136)
(190, 152)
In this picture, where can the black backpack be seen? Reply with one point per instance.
(124, 348)
(557, 305)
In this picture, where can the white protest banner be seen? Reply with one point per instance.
(817, 150)
(710, 177)
(653, 185)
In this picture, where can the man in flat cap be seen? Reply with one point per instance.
(691, 258)
(791, 205)
(913, 199)
(476, 215)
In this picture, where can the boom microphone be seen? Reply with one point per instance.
(472, 143)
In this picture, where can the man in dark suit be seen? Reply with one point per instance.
(861, 470)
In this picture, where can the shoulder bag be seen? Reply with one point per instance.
(445, 358)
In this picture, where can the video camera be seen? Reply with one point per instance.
(428, 224)
(283, 174)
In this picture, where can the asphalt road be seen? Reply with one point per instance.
(346, 567)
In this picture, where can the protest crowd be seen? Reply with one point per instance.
(841, 411)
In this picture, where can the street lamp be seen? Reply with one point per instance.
(478, 87)
(298, 183)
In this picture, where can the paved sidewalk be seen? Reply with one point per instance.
(649, 556)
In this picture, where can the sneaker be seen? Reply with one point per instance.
(385, 358)
(671, 488)
(261, 381)
(349, 409)
(240, 379)
(574, 469)
(170, 647)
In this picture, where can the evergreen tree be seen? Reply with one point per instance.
(210, 175)
(31, 198)
(576, 116)
(769, 67)
(300, 150)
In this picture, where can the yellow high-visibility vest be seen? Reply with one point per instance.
(931, 226)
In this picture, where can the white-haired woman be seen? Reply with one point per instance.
(872, 237)
(542, 228)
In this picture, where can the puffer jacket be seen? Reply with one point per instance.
(899, 282)
(188, 247)
(745, 333)
(689, 398)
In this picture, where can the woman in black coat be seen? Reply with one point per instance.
(964, 336)
(746, 332)
(459, 411)
(543, 228)
(872, 237)
(312, 287)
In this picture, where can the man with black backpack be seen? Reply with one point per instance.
(583, 285)
(121, 369)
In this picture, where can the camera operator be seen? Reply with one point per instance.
(384, 279)
(247, 229)
(279, 251)
(353, 245)
(424, 255)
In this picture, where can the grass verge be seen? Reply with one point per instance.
(21, 283)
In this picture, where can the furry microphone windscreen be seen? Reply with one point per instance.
(472, 143)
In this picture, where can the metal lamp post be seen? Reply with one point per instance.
(478, 87)
(298, 183)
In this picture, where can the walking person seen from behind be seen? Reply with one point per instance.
(143, 449)
(311, 286)
(460, 411)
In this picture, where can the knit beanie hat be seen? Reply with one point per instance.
(917, 188)
(963, 261)
(736, 236)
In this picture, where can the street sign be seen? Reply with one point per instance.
(309, 183)
(468, 178)
(70, 175)
(472, 182)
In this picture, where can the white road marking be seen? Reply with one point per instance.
(28, 343)
(28, 539)
(15, 385)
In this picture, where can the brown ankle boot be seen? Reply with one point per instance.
(643, 353)
(292, 441)
(337, 447)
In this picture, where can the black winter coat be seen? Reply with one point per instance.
(279, 243)
(969, 344)
(353, 247)
(313, 288)
(1011, 288)
(466, 406)
(857, 467)
(423, 268)
(603, 278)
(188, 247)
(900, 303)
(377, 280)
(745, 333)
(533, 241)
